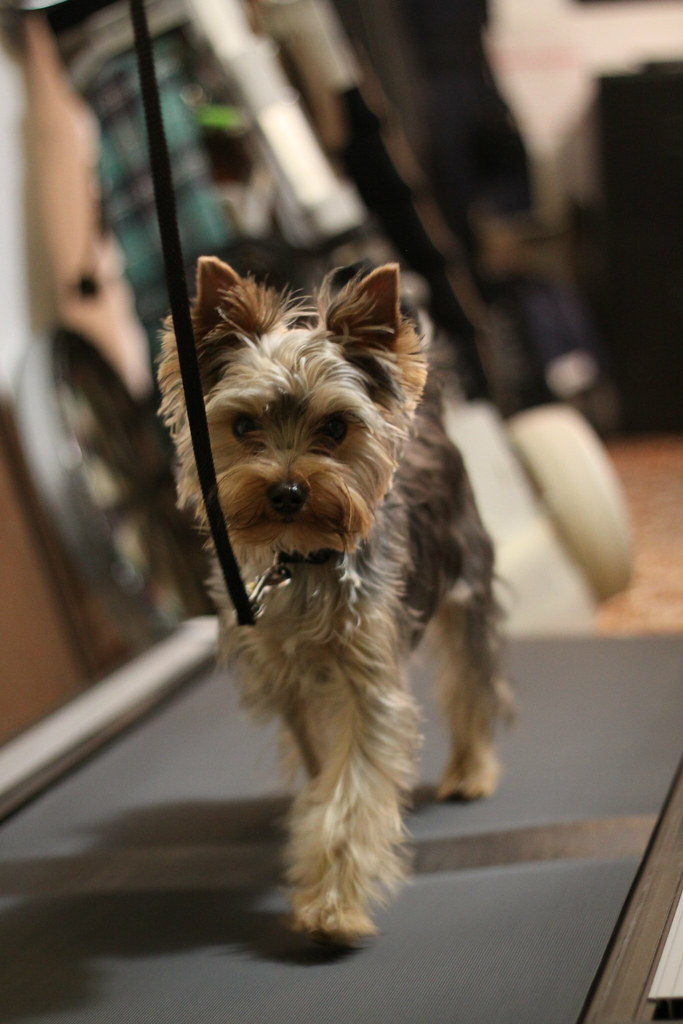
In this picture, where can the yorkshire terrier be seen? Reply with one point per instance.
(333, 467)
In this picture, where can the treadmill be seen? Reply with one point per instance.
(143, 827)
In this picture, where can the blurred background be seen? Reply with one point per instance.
(522, 159)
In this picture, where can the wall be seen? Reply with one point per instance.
(14, 300)
(548, 52)
(41, 663)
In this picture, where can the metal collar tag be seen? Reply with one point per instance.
(276, 576)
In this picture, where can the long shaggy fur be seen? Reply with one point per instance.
(333, 405)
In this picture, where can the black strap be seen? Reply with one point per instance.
(180, 311)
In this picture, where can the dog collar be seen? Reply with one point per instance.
(312, 558)
(278, 575)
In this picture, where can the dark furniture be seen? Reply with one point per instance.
(631, 241)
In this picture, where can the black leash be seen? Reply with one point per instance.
(164, 197)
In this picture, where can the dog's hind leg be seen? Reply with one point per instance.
(471, 694)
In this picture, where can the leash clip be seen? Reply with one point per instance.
(272, 579)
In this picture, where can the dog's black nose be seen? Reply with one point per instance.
(287, 498)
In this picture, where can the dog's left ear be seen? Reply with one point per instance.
(365, 318)
(367, 308)
(382, 290)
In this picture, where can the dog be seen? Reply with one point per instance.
(334, 470)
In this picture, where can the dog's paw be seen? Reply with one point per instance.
(334, 927)
(470, 780)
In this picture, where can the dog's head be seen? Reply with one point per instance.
(307, 410)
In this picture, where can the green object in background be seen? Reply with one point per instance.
(221, 117)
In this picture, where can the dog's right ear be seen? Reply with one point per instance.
(215, 281)
(218, 289)
(229, 308)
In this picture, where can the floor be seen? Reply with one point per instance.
(651, 472)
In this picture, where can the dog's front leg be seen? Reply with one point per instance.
(299, 729)
(346, 827)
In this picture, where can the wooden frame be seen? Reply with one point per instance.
(622, 986)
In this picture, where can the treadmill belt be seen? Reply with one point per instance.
(144, 886)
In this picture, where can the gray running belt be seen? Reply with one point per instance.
(144, 886)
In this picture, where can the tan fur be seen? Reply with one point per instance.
(473, 769)
(327, 654)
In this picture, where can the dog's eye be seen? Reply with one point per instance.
(334, 428)
(243, 425)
